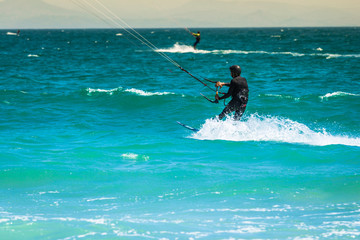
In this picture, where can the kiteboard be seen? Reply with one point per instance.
(188, 127)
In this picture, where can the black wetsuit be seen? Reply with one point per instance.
(239, 92)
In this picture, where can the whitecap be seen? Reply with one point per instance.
(134, 156)
(335, 55)
(340, 233)
(130, 155)
(87, 234)
(100, 199)
(4, 220)
(131, 90)
(50, 192)
(144, 93)
(280, 96)
(110, 91)
(337, 94)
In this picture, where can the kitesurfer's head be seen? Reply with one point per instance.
(235, 70)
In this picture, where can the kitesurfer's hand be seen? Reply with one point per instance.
(219, 84)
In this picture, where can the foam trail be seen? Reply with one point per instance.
(179, 48)
(276, 129)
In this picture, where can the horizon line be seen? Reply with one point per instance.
(93, 28)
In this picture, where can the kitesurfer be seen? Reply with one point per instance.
(239, 92)
(197, 37)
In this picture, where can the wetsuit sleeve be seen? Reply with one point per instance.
(229, 93)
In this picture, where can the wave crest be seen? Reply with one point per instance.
(139, 92)
(90, 91)
(338, 94)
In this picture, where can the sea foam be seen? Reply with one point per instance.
(268, 128)
(179, 48)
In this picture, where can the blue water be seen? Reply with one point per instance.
(90, 147)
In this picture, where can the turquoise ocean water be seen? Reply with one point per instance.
(90, 147)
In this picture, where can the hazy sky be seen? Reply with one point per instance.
(180, 13)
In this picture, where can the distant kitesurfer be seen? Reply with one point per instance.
(18, 32)
(239, 92)
(197, 37)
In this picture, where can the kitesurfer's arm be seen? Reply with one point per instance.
(228, 94)
(221, 84)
